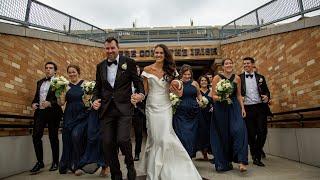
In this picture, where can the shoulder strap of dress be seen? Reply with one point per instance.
(232, 77)
(222, 76)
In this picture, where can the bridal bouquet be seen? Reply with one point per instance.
(88, 87)
(203, 102)
(224, 89)
(59, 84)
(175, 101)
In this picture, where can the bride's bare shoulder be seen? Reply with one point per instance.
(147, 69)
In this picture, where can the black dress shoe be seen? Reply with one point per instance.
(258, 163)
(132, 174)
(136, 157)
(54, 167)
(36, 168)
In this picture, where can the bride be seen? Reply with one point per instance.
(165, 158)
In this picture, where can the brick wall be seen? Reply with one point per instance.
(22, 62)
(290, 62)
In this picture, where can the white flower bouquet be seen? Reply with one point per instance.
(88, 87)
(224, 89)
(175, 101)
(203, 102)
(59, 84)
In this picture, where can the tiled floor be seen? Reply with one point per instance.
(276, 168)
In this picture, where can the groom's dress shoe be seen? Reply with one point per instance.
(54, 167)
(37, 167)
(136, 157)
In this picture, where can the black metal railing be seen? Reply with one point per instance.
(267, 14)
(299, 116)
(36, 14)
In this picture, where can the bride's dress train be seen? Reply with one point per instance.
(165, 158)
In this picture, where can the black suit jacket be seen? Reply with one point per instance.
(262, 88)
(51, 97)
(120, 94)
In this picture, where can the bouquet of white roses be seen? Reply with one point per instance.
(203, 102)
(88, 87)
(175, 101)
(224, 89)
(59, 84)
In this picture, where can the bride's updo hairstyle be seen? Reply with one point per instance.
(169, 66)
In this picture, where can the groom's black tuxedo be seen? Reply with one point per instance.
(256, 118)
(116, 111)
(120, 94)
(51, 116)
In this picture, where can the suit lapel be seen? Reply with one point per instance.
(119, 70)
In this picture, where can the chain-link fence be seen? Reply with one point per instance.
(269, 13)
(36, 14)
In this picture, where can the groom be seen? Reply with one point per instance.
(112, 95)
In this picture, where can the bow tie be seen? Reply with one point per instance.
(47, 79)
(112, 62)
(249, 75)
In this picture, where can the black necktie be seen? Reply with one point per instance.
(47, 79)
(249, 75)
(112, 62)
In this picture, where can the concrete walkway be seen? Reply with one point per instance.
(276, 168)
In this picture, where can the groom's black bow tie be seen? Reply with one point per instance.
(249, 75)
(112, 62)
(47, 79)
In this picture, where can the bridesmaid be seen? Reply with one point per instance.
(187, 116)
(75, 123)
(229, 141)
(203, 140)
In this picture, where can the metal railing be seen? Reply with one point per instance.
(267, 14)
(36, 14)
(300, 116)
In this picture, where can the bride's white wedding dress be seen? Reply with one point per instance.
(165, 158)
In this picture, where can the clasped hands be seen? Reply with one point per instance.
(135, 98)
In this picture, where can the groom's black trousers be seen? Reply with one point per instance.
(115, 132)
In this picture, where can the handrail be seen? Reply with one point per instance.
(301, 119)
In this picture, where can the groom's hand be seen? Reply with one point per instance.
(135, 98)
(96, 104)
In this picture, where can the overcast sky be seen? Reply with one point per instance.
(149, 13)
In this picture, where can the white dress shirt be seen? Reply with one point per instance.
(112, 72)
(44, 88)
(252, 93)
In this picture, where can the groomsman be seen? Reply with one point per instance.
(47, 111)
(256, 95)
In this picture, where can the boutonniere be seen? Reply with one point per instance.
(260, 80)
(124, 66)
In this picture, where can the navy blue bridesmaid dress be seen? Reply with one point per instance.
(229, 141)
(186, 118)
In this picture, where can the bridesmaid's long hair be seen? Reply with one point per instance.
(169, 66)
